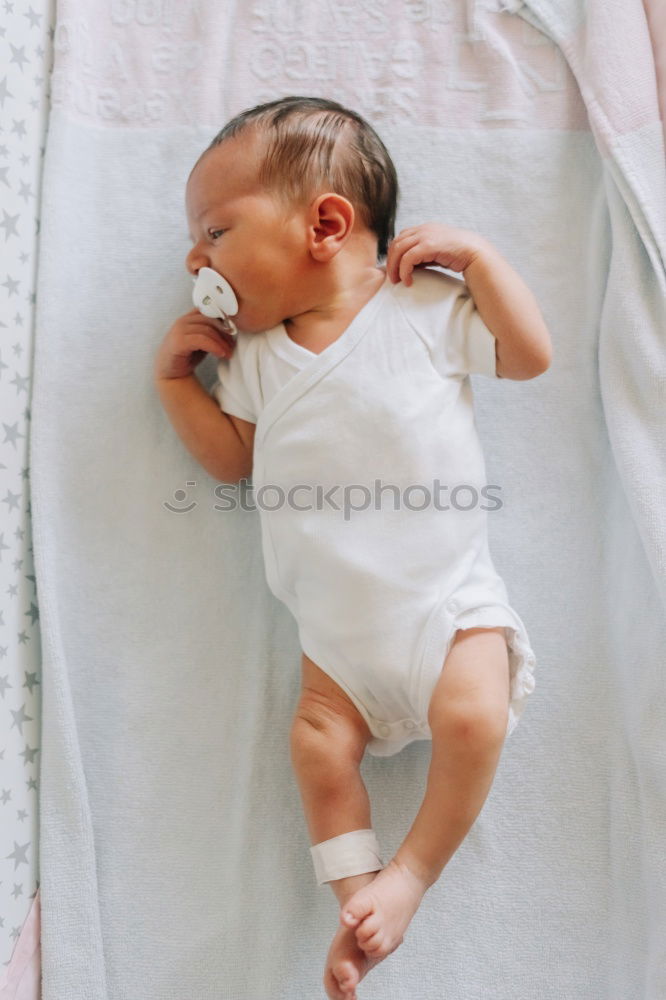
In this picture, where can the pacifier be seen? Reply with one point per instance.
(213, 296)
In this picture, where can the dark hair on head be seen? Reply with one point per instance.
(312, 144)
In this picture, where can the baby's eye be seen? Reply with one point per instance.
(212, 232)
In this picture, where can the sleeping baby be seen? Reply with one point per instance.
(343, 390)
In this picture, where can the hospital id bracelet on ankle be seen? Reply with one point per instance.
(351, 853)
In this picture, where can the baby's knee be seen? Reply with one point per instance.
(326, 739)
(482, 722)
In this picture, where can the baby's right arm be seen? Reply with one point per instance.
(221, 443)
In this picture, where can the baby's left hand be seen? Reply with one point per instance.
(432, 243)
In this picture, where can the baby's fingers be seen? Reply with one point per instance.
(398, 264)
(199, 341)
(213, 327)
(416, 256)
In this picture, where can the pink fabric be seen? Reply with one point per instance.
(22, 977)
(434, 72)
(655, 11)
(617, 102)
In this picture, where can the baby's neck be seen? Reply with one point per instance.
(319, 327)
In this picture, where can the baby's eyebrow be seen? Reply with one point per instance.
(200, 217)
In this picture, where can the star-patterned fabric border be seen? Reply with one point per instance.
(26, 50)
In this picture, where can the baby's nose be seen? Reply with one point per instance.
(194, 260)
(192, 265)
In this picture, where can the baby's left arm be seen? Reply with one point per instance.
(505, 303)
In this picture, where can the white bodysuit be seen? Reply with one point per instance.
(384, 413)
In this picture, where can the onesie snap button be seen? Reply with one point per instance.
(408, 724)
(384, 729)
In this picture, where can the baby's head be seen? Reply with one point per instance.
(285, 196)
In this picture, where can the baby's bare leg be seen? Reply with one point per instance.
(468, 718)
(328, 740)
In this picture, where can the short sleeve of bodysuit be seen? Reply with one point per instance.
(230, 389)
(447, 319)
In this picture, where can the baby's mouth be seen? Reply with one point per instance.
(213, 296)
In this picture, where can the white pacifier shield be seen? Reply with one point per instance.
(213, 295)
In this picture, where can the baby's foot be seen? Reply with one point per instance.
(346, 965)
(380, 912)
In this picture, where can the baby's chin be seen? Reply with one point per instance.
(251, 331)
(259, 318)
(252, 324)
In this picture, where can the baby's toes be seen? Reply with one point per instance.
(380, 944)
(356, 909)
(346, 978)
(367, 930)
(339, 988)
(375, 947)
(334, 990)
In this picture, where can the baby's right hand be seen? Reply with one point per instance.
(187, 343)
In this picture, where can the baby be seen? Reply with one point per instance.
(360, 371)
